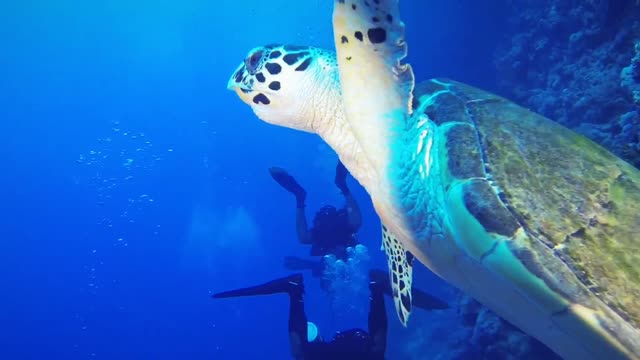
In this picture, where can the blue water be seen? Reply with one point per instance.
(134, 184)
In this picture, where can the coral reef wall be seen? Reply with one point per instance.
(467, 331)
(577, 62)
(487, 336)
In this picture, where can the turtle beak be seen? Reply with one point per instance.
(240, 84)
(236, 81)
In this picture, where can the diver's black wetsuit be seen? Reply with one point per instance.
(333, 230)
(332, 233)
(354, 344)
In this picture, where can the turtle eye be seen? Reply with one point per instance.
(253, 61)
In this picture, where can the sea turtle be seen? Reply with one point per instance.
(535, 221)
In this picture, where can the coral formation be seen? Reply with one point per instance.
(576, 62)
(474, 332)
(494, 338)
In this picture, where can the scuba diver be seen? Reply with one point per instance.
(346, 345)
(333, 229)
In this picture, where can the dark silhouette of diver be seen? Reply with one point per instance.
(333, 229)
(353, 344)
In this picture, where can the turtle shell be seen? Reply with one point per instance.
(568, 208)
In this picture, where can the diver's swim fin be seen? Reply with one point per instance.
(295, 263)
(287, 181)
(290, 284)
(426, 301)
(341, 178)
(419, 298)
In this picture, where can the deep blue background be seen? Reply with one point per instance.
(73, 71)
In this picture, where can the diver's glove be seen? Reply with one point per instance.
(341, 178)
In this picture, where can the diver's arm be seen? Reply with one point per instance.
(301, 226)
(353, 210)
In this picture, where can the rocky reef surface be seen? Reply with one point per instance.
(490, 337)
(469, 331)
(577, 62)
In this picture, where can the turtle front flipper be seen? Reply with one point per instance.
(370, 44)
(400, 263)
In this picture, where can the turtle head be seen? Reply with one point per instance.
(290, 86)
